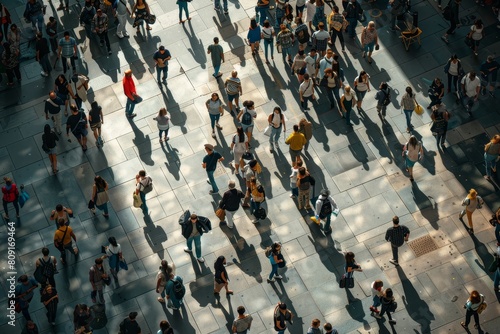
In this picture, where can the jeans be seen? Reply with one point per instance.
(197, 244)
(469, 313)
(217, 4)
(210, 174)
(394, 17)
(78, 102)
(328, 221)
(268, 43)
(88, 30)
(103, 37)
(161, 70)
(93, 294)
(274, 271)
(453, 78)
(16, 206)
(490, 161)
(376, 301)
(37, 21)
(216, 70)
(130, 106)
(213, 120)
(408, 118)
(334, 34)
(254, 206)
(57, 121)
(122, 21)
(65, 63)
(144, 206)
(295, 190)
(261, 11)
(11, 72)
(280, 13)
(26, 313)
(103, 207)
(453, 26)
(306, 98)
(286, 52)
(45, 64)
(434, 100)
(53, 43)
(275, 134)
(496, 278)
(394, 249)
(161, 131)
(183, 6)
(68, 246)
(369, 47)
(497, 232)
(351, 28)
(294, 154)
(441, 137)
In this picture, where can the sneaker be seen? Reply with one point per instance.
(363, 54)
(376, 315)
(226, 12)
(461, 214)
(392, 321)
(271, 280)
(187, 250)
(109, 52)
(255, 221)
(394, 262)
(292, 196)
(120, 36)
(126, 34)
(44, 74)
(201, 259)
(445, 39)
(278, 276)
(131, 115)
(213, 134)
(218, 126)
(208, 181)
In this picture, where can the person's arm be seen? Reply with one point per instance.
(283, 122)
(478, 89)
(368, 83)
(158, 282)
(239, 115)
(204, 165)
(73, 235)
(94, 191)
(102, 122)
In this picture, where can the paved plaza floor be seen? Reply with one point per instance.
(362, 166)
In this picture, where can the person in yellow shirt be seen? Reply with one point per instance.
(296, 140)
(62, 239)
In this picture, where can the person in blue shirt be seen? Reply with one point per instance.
(24, 294)
(210, 164)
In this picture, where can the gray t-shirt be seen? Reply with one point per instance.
(243, 323)
(213, 107)
(216, 52)
(121, 8)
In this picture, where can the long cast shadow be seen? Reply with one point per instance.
(427, 206)
(143, 144)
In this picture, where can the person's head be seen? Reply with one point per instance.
(99, 12)
(98, 262)
(219, 263)
(142, 173)
(164, 325)
(66, 35)
(362, 75)
(112, 241)
(214, 96)
(325, 192)
(59, 207)
(277, 110)
(81, 308)
(388, 293)
(371, 25)
(253, 23)
(253, 164)
(128, 73)
(306, 76)
(315, 323)
(253, 180)
(209, 148)
(301, 52)
(302, 171)
(472, 193)
(347, 89)
(283, 27)
(231, 184)
(349, 257)
(61, 222)
(409, 91)
(495, 139)
(45, 251)
(162, 112)
(328, 326)
(241, 310)
(335, 9)
(99, 181)
(193, 218)
(132, 315)
(321, 26)
(478, 23)
(267, 24)
(53, 19)
(61, 78)
(39, 35)
(296, 128)
(329, 53)
(164, 265)
(23, 279)
(249, 104)
(161, 49)
(437, 80)
(234, 74)
(328, 72)
(276, 247)
(74, 109)
(472, 75)
(95, 106)
(378, 284)
(475, 297)
(413, 141)
(282, 307)
(88, 5)
(395, 220)
(216, 40)
(383, 85)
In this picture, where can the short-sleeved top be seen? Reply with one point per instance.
(42, 47)
(131, 327)
(62, 87)
(254, 34)
(143, 183)
(477, 34)
(233, 85)
(95, 115)
(60, 232)
(112, 250)
(216, 52)
(242, 324)
(285, 38)
(211, 161)
(362, 85)
(311, 64)
(67, 46)
(306, 88)
(73, 121)
(213, 106)
(267, 32)
(163, 57)
(22, 288)
(369, 36)
(470, 85)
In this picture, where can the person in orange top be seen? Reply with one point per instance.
(132, 97)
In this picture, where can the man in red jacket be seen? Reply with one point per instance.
(132, 97)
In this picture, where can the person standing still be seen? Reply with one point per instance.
(217, 54)
(491, 153)
(396, 235)
(161, 58)
(276, 121)
(142, 181)
(231, 202)
(130, 93)
(121, 13)
(210, 165)
(10, 195)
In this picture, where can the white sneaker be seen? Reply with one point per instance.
(120, 36)
(187, 250)
(44, 74)
(201, 260)
(278, 276)
(126, 34)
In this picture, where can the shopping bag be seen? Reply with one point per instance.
(23, 197)
(221, 214)
(267, 131)
(137, 201)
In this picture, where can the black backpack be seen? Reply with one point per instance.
(48, 269)
(303, 36)
(326, 208)
(387, 99)
(246, 119)
(179, 288)
(99, 318)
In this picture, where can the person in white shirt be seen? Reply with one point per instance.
(310, 11)
(471, 85)
(312, 63)
(306, 91)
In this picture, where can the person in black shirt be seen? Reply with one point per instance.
(396, 235)
(231, 202)
(96, 119)
(129, 325)
(77, 123)
(42, 54)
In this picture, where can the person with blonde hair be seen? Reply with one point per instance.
(472, 202)
(346, 102)
(369, 40)
(491, 152)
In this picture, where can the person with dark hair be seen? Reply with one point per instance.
(100, 195)
(267, 33)
(276, 122)
(440, 117)
(471, 306)
(296, 140)
(396, 235)
(192, 231)
(275, 258)
(183, 6)
(62, 239)
(239, 145)
(209, 163)
(325, 206)
(254, 36)
(304, 182)
(51, 30)
(231, 202)
(331, 84)
(350, 265)
(221, 278)
(306, 92)
(408, 103)
(471, 86)
(165, 327)
(130, 93)
(353, 9)
(10, 60)
(281, 315)
(67, 51)
(217, 6)
(299, 65)
(61, 88)
(329, 329)
(336, 23)
(388, 306)
(315, 327)
(251, 169)
(242, 324)
(42, 54)
(77, 123)
(321, 37)
(61, 212)
(50, 299)
(453, 10)
(413, 151)
(453, 70)
(24, 293)
(141, 11)
(53, 108)
(383, 97)
(436, 92)
(79, 84)
(161, 58)
(30, 328)
(143, 183)
(82, 317)
(246, 118)
(129, 325)
(233, 91)
(489, 72)
(361, 86)
(476, 34)
(86, 16)
(257, 197)
(114, 255)
(10, 194)
(397, 10)
(48, 264)
(98, 278)
(162, 277)
(215, 111)
(301, 32)
(96, 119)
(217, 54)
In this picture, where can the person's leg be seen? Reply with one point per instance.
(229, 218)
(101, 294)
(72, 61)
(328, 221)
(197, 245)
(158, 74)
(105, 209)
(496, 279)
(469, 218)
(189, 243)
(57, 122)
(211, 178)
(26, 313)
(307, 199)
(274, 271)
(301, 199)
(408, 118)
(476, 318)
(394, 252)
(5, 208)
(144, 206)
(216, 70)
(106, 39)
(468, 314)
(488, 162)
(348, 115)
(16, 206)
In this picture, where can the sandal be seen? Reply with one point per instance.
(149, 28)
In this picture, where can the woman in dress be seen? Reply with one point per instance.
(239, 145)
(412, 151)
(141, 11)
(49, 139)
(221, 278)
(100, 195)
(254, 36)
(114, 254)
(369, 39)
(361, 86)
(346, 102)
(215, 111)
(50, 299)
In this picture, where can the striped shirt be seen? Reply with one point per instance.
(396, 235)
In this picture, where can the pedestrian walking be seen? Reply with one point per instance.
(280, 12)
(10, 194)
(61, 212)
(51, 30)
(436, 92)
(281, 315)
(261, 10)
(242, 324)
(67, 51)
(305, 127)
(471, 86)
(217, 54)
(175, 292)
(61, 88)
(50, 299)
(274, 255)
(336, 23)
(96, 119)
(353, 11)
(215, 111)
(100, 195)
(239, 145)
(397, 9)
(325, 207)
(472, 306)
(301, 32)
(140, 14)
(315, 327)
(114, 255)
(451, 13)
(30, 328)
(129, 325)
(210, 165)
(396, 235)
(143, 185)
(81, 318)
(62, 240)
(121, 12)
(495, 265)
(217, 6)
(163, 122)
(192, 230)
(312, 63)
(489, 71)
(34, 13)
(14, 36)
(78, 86)
(231, 202)
(233, 91)
(161, 58)
(130, 93)
(306, 92)
(299, 65)
(86, 16)
(347, 100)
(284, 41)
(10, 61)
(361, 86)
(304, 183)
(183, 6)
(383, 97)
(476, 34)
(98, 277)
(163, 275)
(100, 27)
(377, 294)
(77, 123)
(165, 327)
(350, 265)
(48, 267)
(24, 293)
(296, 140)
(221, 278)
(63, 5)
(5, 21)
(329, 329)
(413, 151)
(276, 122)
(299, 8)
(471, 202)
(42, 54)
(408, 103)
(453, 70)
(254, 36)
(440, 117)
(310, 8)
(293, 178)
(331, 84)
(246, 118)
(258, 197)
(320, 38)
(491, 153)
(267, 34)
(369, 41)
(388, 305)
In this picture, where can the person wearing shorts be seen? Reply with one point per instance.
(233, 90)
(96, 119)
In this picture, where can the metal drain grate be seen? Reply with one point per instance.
(422, 245)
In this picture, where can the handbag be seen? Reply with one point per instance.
(468, 41)
(101, 198)
(91, 205)
(137, 200)
(221, 214)
(39, 276)
(23, 197)
(283, 263)
(418, 109)
(337, 25)
(346, 282)
(151, 19)
(123, 264)
(268, 130)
